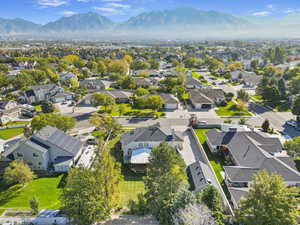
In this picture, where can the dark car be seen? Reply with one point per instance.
(91, 141)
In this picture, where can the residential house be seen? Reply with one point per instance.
(170, 101)
(206, 98)
(95, 84)
(250, 152)
(49, 92)
(192, 83)
(137, 144)
(48, 149)
(9, 111)
(120, 96)
(67, 76)
(143, 82)
(249, 79)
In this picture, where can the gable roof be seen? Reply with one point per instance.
(168, 98)
(206, 95)
(58, 138)
(197, 97)
(196, 172)
(193, 82)
(253, 151)
(154, 133)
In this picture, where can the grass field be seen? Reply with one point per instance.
(256, 98)
(46, 190)
(15, 123)
(10, 133)
(129, 111)
(231, 109)
(38, 108)
(131, 186)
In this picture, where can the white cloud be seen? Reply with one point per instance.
(262, 13)
(109, 10)
(270, 6)
(68, 13)
(51, 3)
(118, 5)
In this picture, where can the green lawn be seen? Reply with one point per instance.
(133, 183)
(231, 109)
(235, 83)
(215, 160)
(129, 111)
(38, 108)
(256, 98)
(46, 190)
(15, 123)
(131, 186)
(1, 211)
(197, 75)
(10, 133)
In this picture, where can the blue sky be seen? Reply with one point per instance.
(42, 11)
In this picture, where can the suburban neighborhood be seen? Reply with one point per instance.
(149, 134)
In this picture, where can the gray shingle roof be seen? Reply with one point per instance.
(197, 173)
(154, 133)
(198, 98)
(168, 98)
(60, 139)
(253, 151)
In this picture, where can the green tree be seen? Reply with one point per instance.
(139, 65)
(165, 177)
(34, 205)
(155, 102)
(122, 109)
(18, 172)
(243, 95)
(212, 198)
(296, 107)
(102, 68)
(266, 126)
(102, 99)
(269, 202)
(293, 147)
(84, 198)
(63, 123)
(47, 107)
(141, 91)
(106, 123)
(119, 67)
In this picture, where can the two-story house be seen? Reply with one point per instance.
(9, 111)
(137, 144)
(48, 149)
(49, 92)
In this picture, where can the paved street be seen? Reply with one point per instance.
(277, 119)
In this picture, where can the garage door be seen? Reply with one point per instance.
(206, 106)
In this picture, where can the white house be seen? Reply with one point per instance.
(137, 144)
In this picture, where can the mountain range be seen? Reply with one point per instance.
(178, 20)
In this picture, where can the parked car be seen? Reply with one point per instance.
(292, 123)
(91, 141)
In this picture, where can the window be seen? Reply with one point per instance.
(35, 155)
(140, 145)
(30, 163)
(19, 154)
(40, 163)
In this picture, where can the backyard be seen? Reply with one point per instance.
(232, 109)
(46, 190)
(132, 185)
